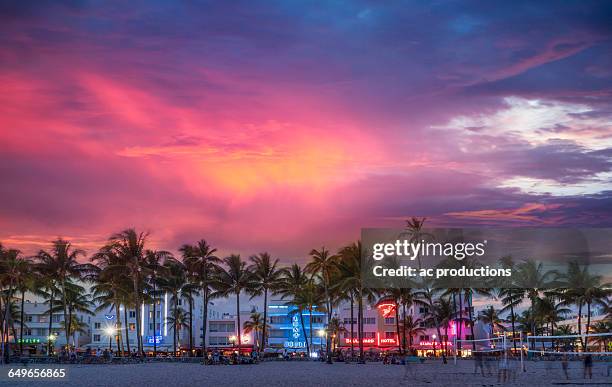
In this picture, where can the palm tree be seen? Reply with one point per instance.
(351, 268)
(112, 288)
(62, 262)
(190, 289)
(256, 325)
(415, 230)
(154, 263)
(173, 282)
(549, 312)
(129, 246)
(325, 265)
(412, 327)
(425, 296)
(441, 314)
(13, 271)
(335, 327)
(266, 277)
(205, 263)
(234, 278)
(578, 286)
(602, 327)
(510, 296)
(292, 283)
(491, 316)
(394, 295)
(25, 283)
(75, 300)
(532, 277)
(178, 319)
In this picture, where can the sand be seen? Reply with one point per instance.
(303, 373)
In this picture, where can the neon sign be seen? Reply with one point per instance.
(295, 344)
(386, 309)
(387, 341)
(157, 339)
(28, 341)
(356, 341)
(432, 343)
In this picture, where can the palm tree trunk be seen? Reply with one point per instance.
(513, 318)
(265, 322)
(69, 322)
(588, 326)
(580, 323)
(446, 339)
(49, 342)
(21, 323)
(360, 325)
(471, 317)
(174, 337)
(404, 327)
(127, 329)
(66, 325)
(138, 317)
(397, 328)
(329, 316)
(118, 327)
(460, 327)
(1, 329)
(204, 322)
(7, 317)
(310, 325)
(352, 327)
(304, 331)
(238, 327)
(190, 325)
(154, 320)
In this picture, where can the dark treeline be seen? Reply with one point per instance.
(126, 273)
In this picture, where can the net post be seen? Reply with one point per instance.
(505, 350)
(521, 351)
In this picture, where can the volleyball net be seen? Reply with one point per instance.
(598, 344)
(497, 346)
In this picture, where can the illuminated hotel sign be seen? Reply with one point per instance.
(356, 341)
(295, 334)
(377, 341)
(28, 341)
(432, 343)
(386, 309)
(158, 339)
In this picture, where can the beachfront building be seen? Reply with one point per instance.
(290, 330)
(380, 329)
(221, 332)
(37, 332)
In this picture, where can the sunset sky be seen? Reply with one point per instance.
(285, 126)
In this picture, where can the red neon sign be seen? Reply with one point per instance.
(356, 341)
(386, 309)
(387, 341)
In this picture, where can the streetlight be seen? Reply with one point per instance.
(110, 332)
(321, 335)
(434, 344)
(232, 340)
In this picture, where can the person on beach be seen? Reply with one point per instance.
(565, 366)
(408, 368)
(478, 363)
(588, 366)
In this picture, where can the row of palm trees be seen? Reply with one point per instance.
(125, 274)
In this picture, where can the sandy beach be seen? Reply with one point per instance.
(432, 373)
